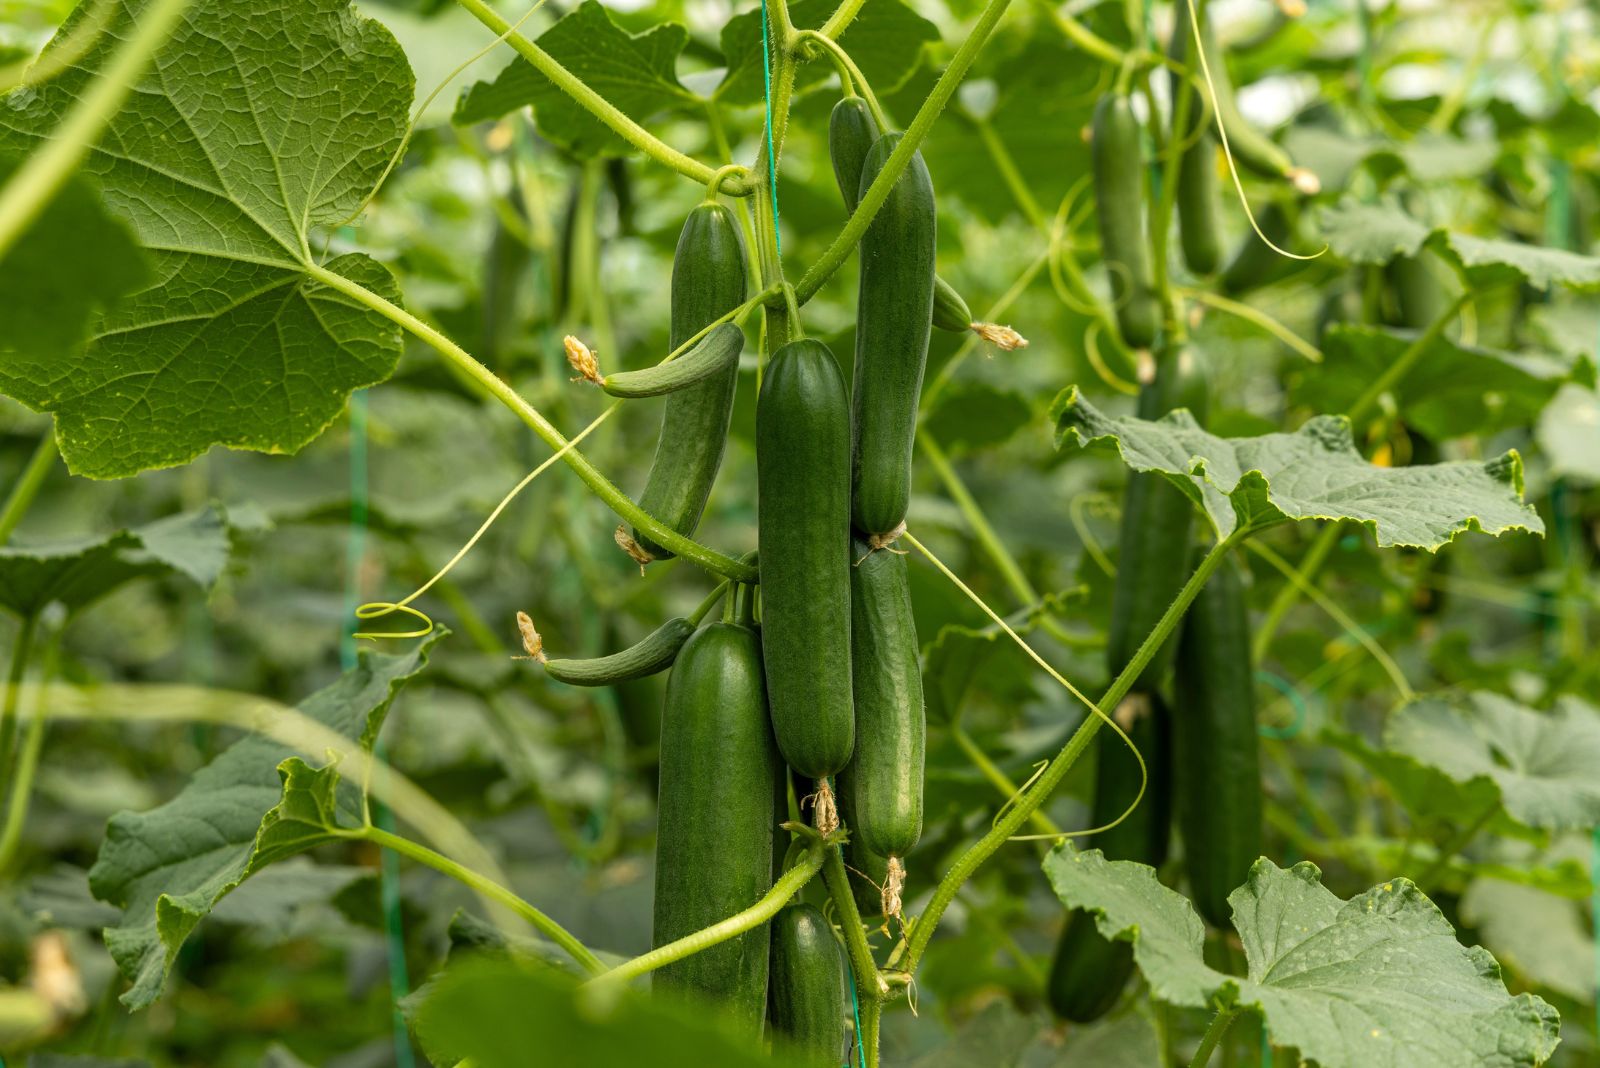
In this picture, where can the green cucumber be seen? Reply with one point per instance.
(851, 133)
(809, 998)
(1251, 148)
(715, 831)
(654, 652)
(708, 281)
(1088, 972)
(1217, 763)
(883, 781)
(711, 356)
(1119, 200)
(1198, 200)
(893, 316)
(1423, 289)
(803, 492)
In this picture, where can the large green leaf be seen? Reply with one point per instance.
(1569, 430)
(47, 299)
(78, 573)
(1537, 934)
(496, 1012)
(1314, 473)
(255, 803)
(885, 40)
(636, 73)
(1378, 981)
(1544, 767)
(1375, 233)
(244, 138)
(1453, 390)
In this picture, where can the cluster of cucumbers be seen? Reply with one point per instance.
(819, 676)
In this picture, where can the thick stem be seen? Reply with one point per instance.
(26, 488)
(870, 985)
(900, 158)
(1208, 1042)
(841, 18)
(34, 184)
(18, 669)
(491, 383)
(599, 106)
(785, 888)
(1046, 784)
(489, 889)
(871, 1014)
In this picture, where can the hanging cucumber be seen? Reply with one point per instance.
(708, 281)
(1119, 204)
(1198, 199)
(809, 999)
(713, 356)
(881, 788)
(803, 486)
(715, 834)
(1088, 972)
(893, 312)
(851, 133)
(654, 652)
(1216, 765)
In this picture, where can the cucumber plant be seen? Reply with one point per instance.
(929, 617)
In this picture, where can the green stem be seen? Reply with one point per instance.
(1287, 595)
(23, 491)
(1081, 35)
(1407, 359)
(1454, 845)
(489, 889)
(981, 529)
(785, 888)
(599, 106)
(28, 760)
(1046, 784)
(1256, 317)
(491, 383)
(841, 18)
(1208, 1042)
(1013, 178)
(997, 776)
(21, 645)
(849, 73)
(870, 984)
(900, 158)
(34, 184)
(871, 1014)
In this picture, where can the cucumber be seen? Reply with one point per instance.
(809, 999)
(851, 133)
(1217, 765)
(1251, 148)
(708, 281)
(803, 494)
(1153, 541)
(1254, 263)
(711, 356)
(1198, 201)
(715, 836)
(654, 652)
(1088, 973)
(1119, 198)
(882, 784)
(893, 316)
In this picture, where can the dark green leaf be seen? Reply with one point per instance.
(885, 40)
(976, 415)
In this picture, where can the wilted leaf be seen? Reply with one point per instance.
(1378, 981)
(1314, 473)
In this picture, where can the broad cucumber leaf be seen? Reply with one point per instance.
(494, 1011)
(78, 573)
(49, 300)
(1538, 935)
(1375, 233)
(1333, 155)
(244, 138)
(1378, 981)
(1569, 433)
(885, 39)
(1313, 473)
(636, 73)
(255, 803)
(1543, 767)
(1452, 391)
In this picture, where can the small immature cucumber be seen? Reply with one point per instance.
(883, 781)
(1119, 199)
(708, 281)
(654, 652)
(851, 133)
(712, 356)
(809, 999)
(803, 493)
(1088, 972)
(715, 831)
(893, 315)
(1216, 751)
